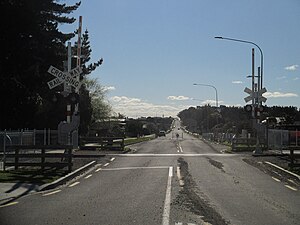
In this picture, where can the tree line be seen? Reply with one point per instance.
(31, 42)
(204, 119)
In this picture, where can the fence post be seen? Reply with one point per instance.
(45, 136)
(292, 157)
(43, 159)
(69, 152)
(21, 137)
(16, 158)
(296, 136)
(49, 136)
(281, 141)
(34, 133)
(4, 150)
(122, 144)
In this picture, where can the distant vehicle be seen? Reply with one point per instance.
(161, 133)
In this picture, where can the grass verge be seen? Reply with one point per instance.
(137, 140)
(31, 176)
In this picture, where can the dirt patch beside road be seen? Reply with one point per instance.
(194, 200)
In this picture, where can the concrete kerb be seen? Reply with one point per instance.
(66, 178)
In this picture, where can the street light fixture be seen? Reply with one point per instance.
(261, 55)
(208, 85)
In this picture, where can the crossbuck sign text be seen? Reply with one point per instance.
(61, 77)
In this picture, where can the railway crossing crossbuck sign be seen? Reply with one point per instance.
(64, 77)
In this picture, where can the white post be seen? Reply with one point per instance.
(79, 48)
(67, 87)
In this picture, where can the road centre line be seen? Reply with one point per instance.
(9, 204)
(112, 159)
(167, 205)
(106, 164)
(51, 193)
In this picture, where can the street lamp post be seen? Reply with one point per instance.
(261, 55)
(208, 85)
(260, 81)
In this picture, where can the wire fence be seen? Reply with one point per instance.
(28, 137)
(281, 139)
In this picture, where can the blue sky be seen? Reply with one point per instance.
(155, 50)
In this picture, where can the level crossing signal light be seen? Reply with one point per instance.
(257, 109)
(248, 108)
(73, 98)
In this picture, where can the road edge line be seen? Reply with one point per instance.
(69, 176)
(280, 168)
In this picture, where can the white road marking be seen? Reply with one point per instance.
(274, 178)
(74, 184)
(135, 168)
(106, 164)
(51, 193)
(289, 187)
(112, 159)
(9, 204)
(292, 181)
(167, 206)
(98, 169)
(88, 176)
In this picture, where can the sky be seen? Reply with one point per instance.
(155, 50)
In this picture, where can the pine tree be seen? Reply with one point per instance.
(31, 42)
(92, 106)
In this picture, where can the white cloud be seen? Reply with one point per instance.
(279, 95)
(292, 67)
(280, 78)
(135, 107)
(237, 82)
(211, 102)
(178, 98)
(109, 88)
(296, 78)
(125, 100)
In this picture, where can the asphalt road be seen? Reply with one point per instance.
(165, 181)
